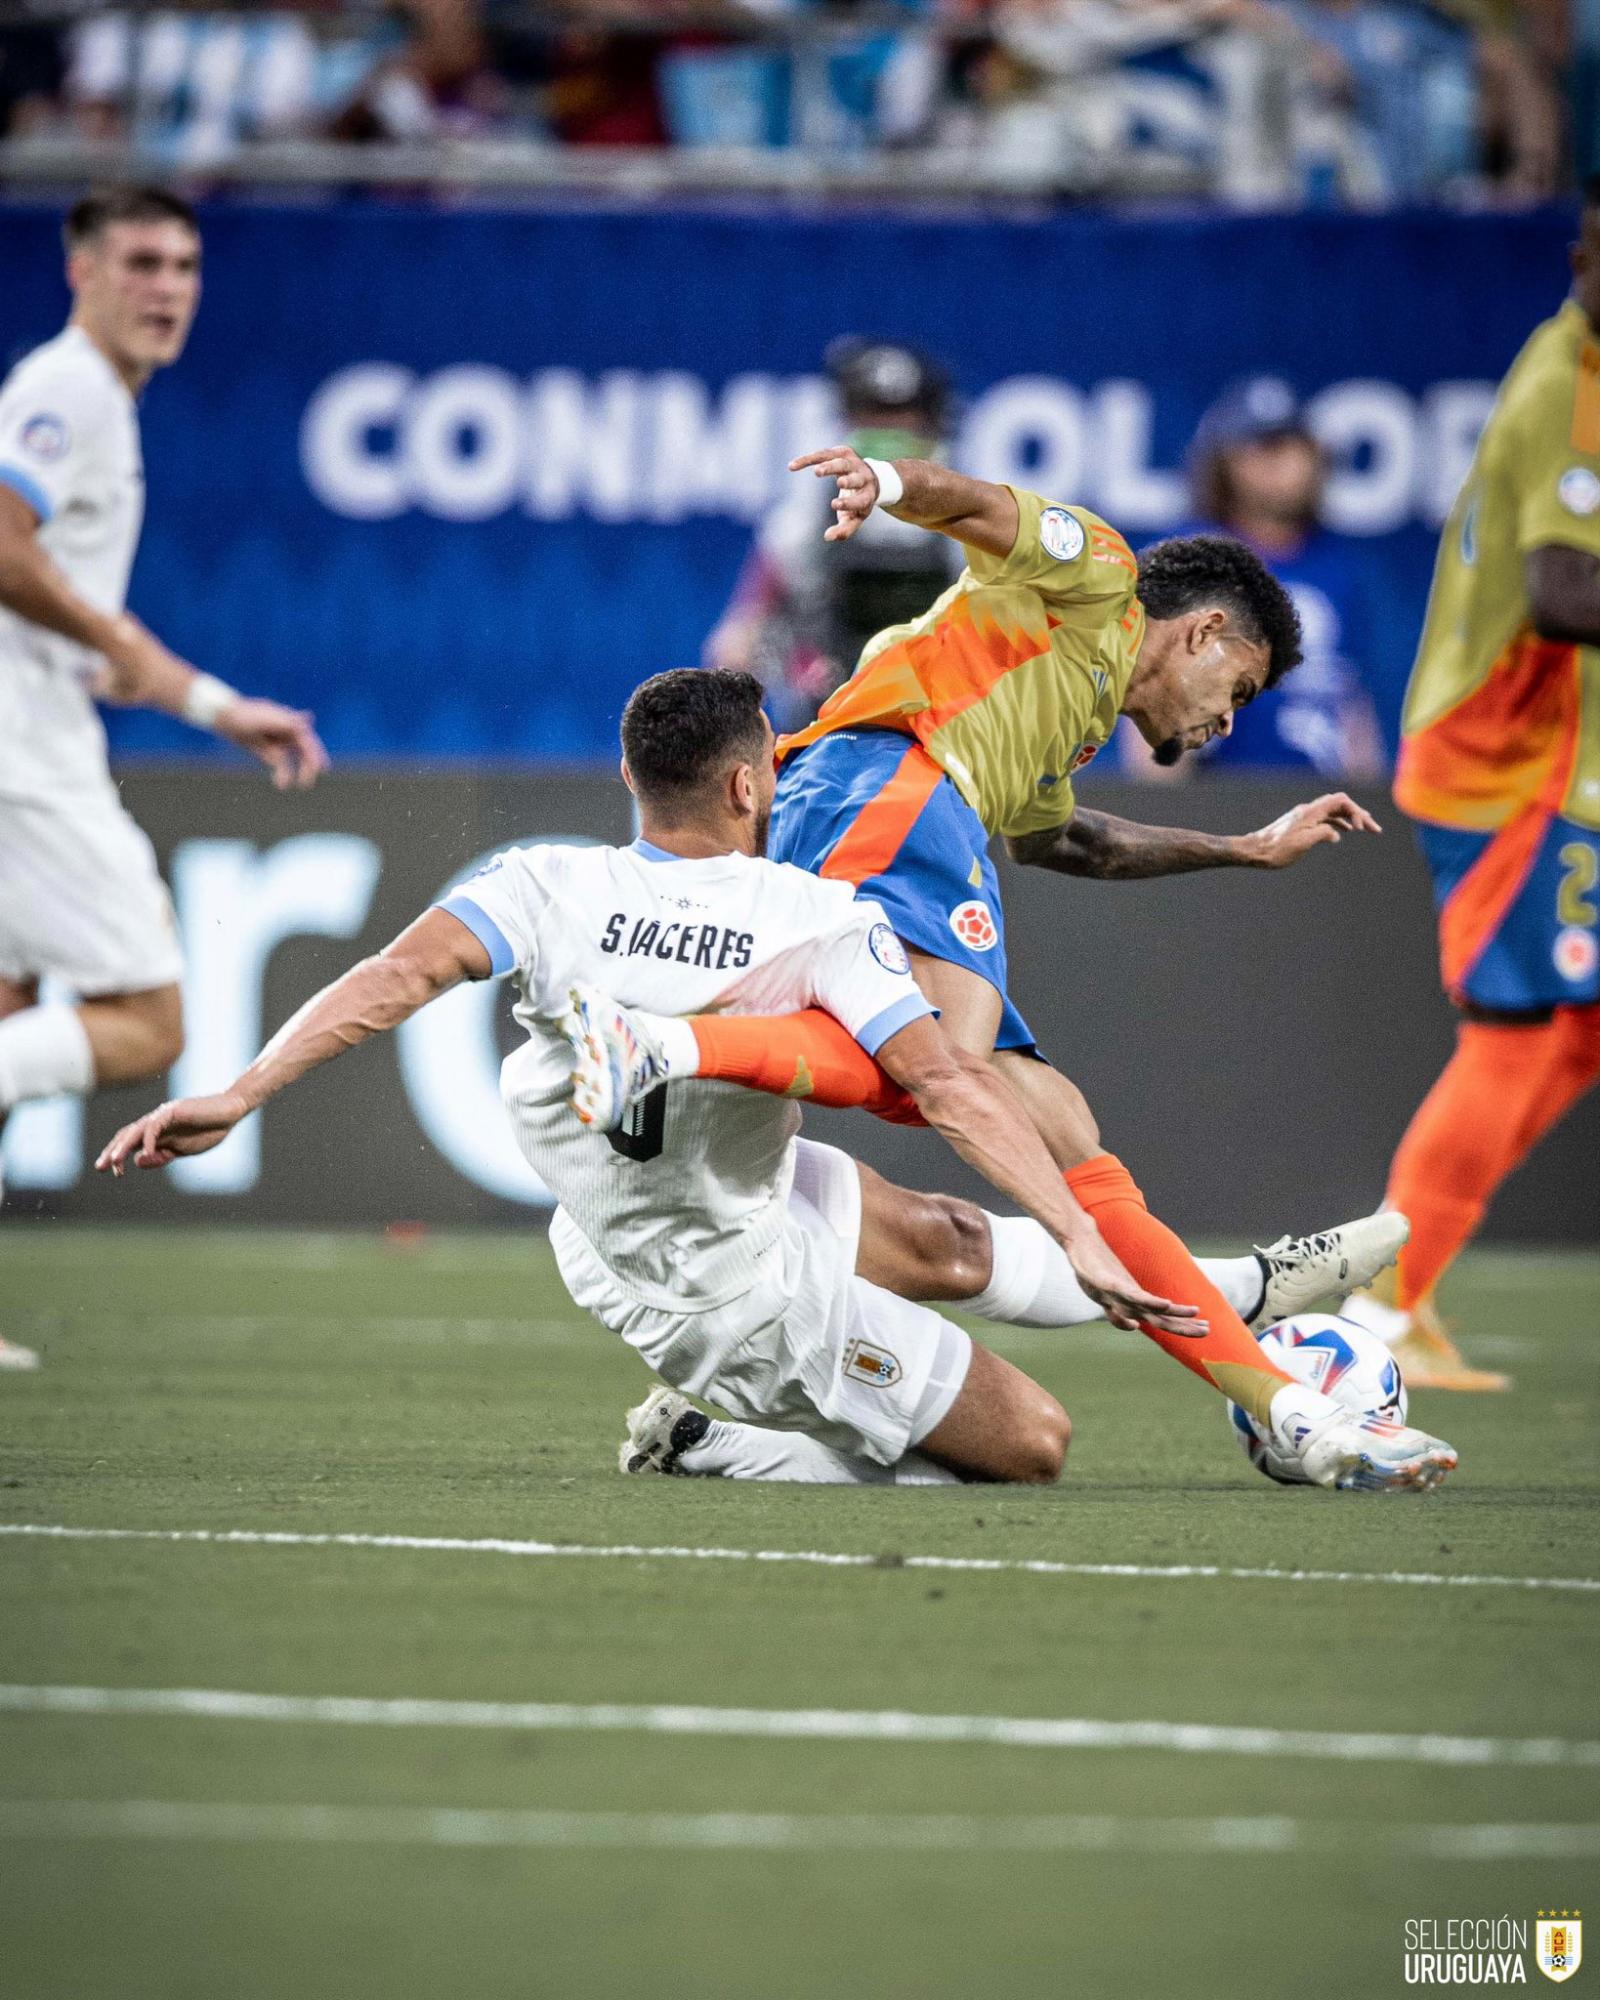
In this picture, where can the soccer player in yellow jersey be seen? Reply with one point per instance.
(971, 721)
(1500, 770)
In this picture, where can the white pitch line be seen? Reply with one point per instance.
(834, 1725)
(494, 1545)
(457, 1826)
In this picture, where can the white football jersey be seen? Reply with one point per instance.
(680, 1204)
(69, 444)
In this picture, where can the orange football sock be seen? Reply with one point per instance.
(1226, 1355)
(1488, 1107)
(799, 1055)
(1574, 1070)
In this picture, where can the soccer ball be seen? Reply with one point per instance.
(1334, 1355)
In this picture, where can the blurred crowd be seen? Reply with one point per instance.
(1324, 102)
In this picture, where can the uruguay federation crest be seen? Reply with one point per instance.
(1559, 1947)
(875, 1366)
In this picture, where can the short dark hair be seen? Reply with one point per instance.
(682, 729)
(1193, 571)
(101, 207)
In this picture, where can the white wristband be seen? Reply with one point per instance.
(205, 699)
(891, 487)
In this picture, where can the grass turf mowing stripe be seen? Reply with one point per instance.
(1030, 1566)
(814, 1724)
(455, 1826)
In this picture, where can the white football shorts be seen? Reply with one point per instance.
(810, 1347)
(81, 897)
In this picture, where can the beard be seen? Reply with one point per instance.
(759, 832)
(1167, 754)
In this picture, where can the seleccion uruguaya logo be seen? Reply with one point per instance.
(1559, 1949)
(1492, 1951)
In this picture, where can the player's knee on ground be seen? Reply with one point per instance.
(1039, 1448)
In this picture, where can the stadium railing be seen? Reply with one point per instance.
(819, 150)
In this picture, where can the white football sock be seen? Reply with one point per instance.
(675, 1039)
(1294, 1409)
(44, 1051)
(1389, 1323)
(751, 1451)
(1032, 1282)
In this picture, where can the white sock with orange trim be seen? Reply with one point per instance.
(1032, 1282)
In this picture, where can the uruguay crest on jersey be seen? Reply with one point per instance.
(1558, 1950)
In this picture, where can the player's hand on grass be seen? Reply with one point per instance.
(173, 1131)
(1125, 1303)
(282, 738)
(858, 486)
(1318, 823)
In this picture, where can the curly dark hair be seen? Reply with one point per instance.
(683, 728)
(1194, 572)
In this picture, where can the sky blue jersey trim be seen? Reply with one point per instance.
(648, 851)
(484, 929)
(893, 1018)
(30, 489)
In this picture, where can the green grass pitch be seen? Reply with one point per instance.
(316, 1384)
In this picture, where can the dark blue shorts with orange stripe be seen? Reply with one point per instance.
(870, 806)
(1519, 911)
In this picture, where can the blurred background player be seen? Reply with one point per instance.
(1256, 473)
(1500, 769)
(81, 901)
(803, 608)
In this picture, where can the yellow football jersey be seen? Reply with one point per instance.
(1014, 678)
(1497, 718)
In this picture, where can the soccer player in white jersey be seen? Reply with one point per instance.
(734, 1258)
(81, 901)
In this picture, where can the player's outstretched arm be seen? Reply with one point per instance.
(1110, 849)
(425, 960)
(966, 1100)
(139, 670)
(974, 511)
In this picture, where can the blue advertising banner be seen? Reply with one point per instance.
(457, 481)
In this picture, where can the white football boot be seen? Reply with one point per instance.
(662, 1426)
(1299, 1271)
(17, 1358)
(1363, 1454)
(615, 1059)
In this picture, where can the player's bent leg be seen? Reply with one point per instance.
(1056, 1106)
(1002, 1427)
(669, 1434)
(16, 996)
(620, 1054)
(1006, 1268)
(65, 1049)
(922, 1246)
(134, 1035)
(1461, 1143)
(44, 1050)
